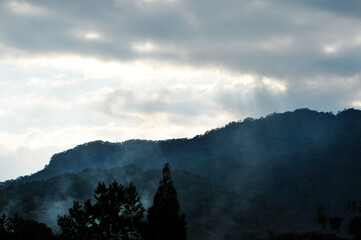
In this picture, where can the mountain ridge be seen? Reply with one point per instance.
(282, 166)
(110, 147)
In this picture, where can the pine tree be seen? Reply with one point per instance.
(164, 220)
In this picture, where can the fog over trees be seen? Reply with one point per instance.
(118, 213)
(236, 182)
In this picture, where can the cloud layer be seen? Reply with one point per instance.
(76, 71)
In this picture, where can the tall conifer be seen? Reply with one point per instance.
(164, 220)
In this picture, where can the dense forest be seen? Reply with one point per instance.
(117, 213)
(242, 181)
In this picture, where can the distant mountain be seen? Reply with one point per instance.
(281, 167)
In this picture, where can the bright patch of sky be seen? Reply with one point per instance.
(78, 71)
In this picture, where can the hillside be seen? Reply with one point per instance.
(281, 167)
(203, 202)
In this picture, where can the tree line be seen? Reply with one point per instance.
(116, 213)
(352, 225)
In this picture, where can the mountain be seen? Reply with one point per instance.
(267, 174)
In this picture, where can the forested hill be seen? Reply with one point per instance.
(230, 153)
(282, 167)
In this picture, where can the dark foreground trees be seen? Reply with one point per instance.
(305, 236)
(164, 220)
(353, 225)
(119, 214)
(17, 228)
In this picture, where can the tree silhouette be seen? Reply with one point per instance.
(78, 224)
(353, 225)
(117, 214)
(17, 228)
(335, 222)
(119, 211)
(320, 217)
(164, 220)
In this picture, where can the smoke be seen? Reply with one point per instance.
(255, 173)
(52, 209)
(11, 207)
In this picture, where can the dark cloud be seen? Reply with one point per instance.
(290, 40)
(278, 38)
(347, 8)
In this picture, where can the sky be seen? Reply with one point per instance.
(83, 70)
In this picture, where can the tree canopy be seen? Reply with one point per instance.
(353, 225)
(17, 228)
(117, 214)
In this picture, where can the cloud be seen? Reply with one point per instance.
(22, 161)
(29, 151)
(6, 113)
(223, 95)
(280, 39)
(348, 8)
(172, 101)
(92, 36)
(24, 8)
(46, 83)
(114, 70)
(34, 100)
